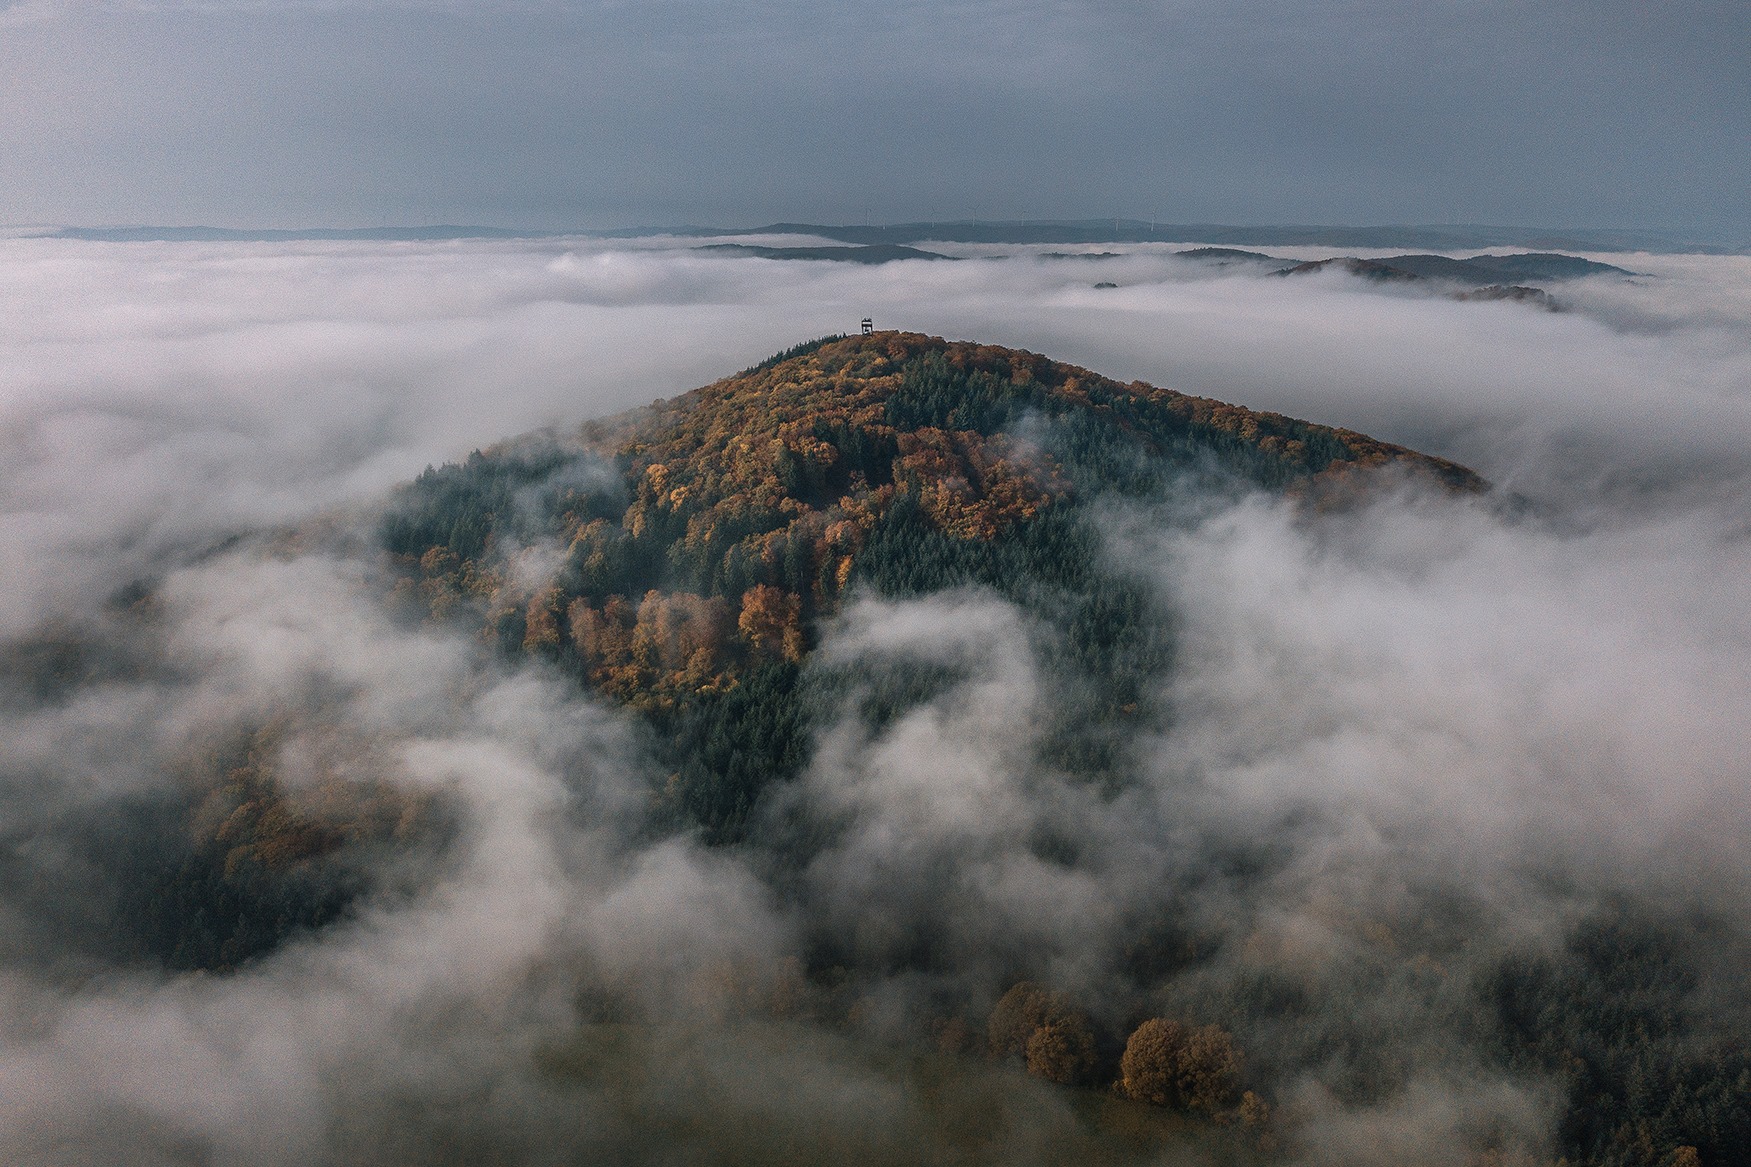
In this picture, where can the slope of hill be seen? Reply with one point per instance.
(706, 538)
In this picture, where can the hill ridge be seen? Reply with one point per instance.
(707, 538)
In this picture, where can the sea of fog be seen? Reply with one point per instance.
(1540, 704)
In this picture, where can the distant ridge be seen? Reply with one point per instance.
(1477, 271)
(859, 253)
(1024, 231)
(1436, 238)
(254, 235)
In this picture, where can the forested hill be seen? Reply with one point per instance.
(705, 538)
(684, 559)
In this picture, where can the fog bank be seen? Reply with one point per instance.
(1404, 740)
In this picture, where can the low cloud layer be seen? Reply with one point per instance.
(1509, 711)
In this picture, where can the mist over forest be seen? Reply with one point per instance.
(1410, 818)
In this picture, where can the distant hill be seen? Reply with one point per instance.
(1229, 255)
(1477, 271)
(864, 253)
(1078, 231)
(1432, 238)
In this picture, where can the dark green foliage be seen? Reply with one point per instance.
(1112, 637)
(193, 911)
(1612, 1018)
(1639, 1020)
(461, 507)
(791, 353)
(1127, 443)
(508, 629)
(1136, 445)
(724, 749)
(877, 693)
(933, 392)
(128, 883)
(803, 478)
(863, 451)
(1052, 567)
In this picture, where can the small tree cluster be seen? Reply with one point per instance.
(1168, 1064)
(1044, 1029)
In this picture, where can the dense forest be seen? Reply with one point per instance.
(708, 538)
(685, 561)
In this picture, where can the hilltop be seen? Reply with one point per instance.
(706, 539)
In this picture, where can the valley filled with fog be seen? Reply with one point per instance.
(1443, 733)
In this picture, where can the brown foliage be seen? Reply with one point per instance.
(771, 620)
(1209, 1068)
(1062, 1051)
(1254, 1111)
(248, 809)
(669, 640)
(1043, 1027)
(1147, 1067)
(541, 620)
(1019, 1012)
(1167, 1064)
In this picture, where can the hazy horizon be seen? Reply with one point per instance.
(1623, 236)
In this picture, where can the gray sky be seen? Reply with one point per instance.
(548, 113)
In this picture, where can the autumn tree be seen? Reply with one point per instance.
(1209, 1072)
(771, 620)
(1167, 1064)
(1147, 1069)
(1019, 1012)
(1062, 1051)
(1046, 1030)
(1255, 1112)
(541, 620)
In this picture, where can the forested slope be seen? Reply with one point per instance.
(705, 538)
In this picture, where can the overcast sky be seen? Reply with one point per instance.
(607, 113)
